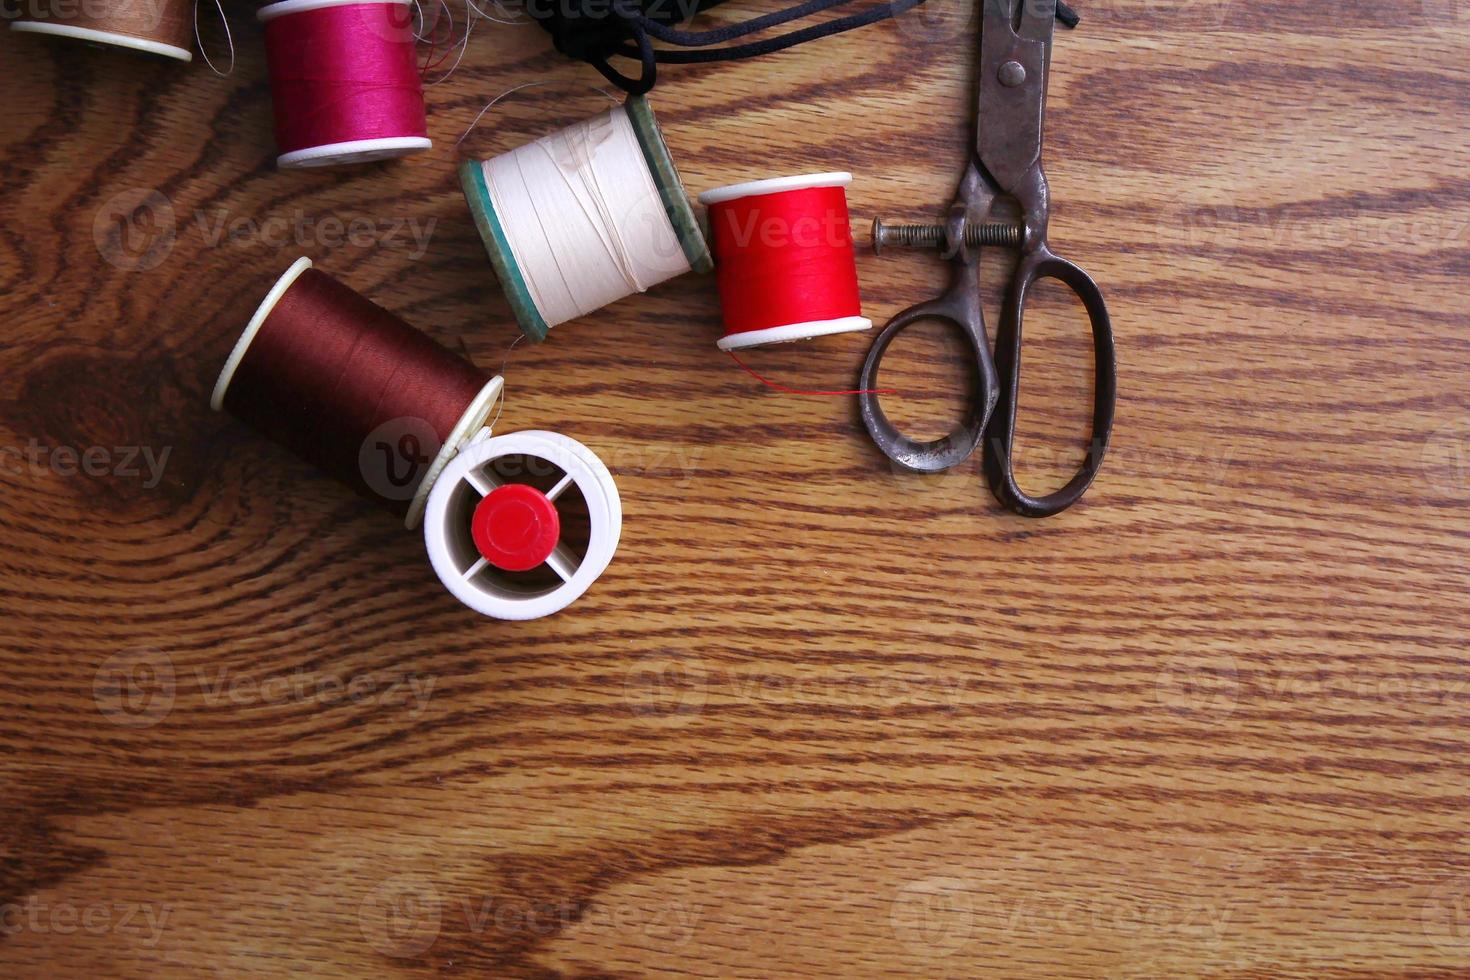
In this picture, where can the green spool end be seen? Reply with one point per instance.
(472, 179)
(670, 187)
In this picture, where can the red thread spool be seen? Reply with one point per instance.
(344, 80)
(354, 390)
(784, 259)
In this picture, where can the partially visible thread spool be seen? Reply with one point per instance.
(353, 389)
(344, 81)
(785, 263)
(584, 217)
(162, 27)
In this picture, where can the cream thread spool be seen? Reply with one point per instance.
(582, 218)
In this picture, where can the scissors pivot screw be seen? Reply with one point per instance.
(933, 236)
(1011, 74)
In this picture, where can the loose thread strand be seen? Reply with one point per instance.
(229, 39)
(500, 406)
(801, 391)
(511, 91)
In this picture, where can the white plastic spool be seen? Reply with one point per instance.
(790, 331)
(472, 421)
(110, 38)
(351, 151)
(470, 477)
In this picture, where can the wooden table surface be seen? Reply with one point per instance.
(818, 717)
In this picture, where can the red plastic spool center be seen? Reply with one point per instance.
(515, 527)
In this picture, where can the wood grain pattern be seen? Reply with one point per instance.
(818, 717)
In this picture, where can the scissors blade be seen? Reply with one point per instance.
(1038, 20)
(1015, 49)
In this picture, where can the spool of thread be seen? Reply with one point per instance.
(344, 81)
(367, 398)
(162, 27)
(584, 217)
(786, 268)
(488, 534)
(353, 389)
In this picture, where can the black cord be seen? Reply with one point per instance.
(694, 39)
(755, 49)
(594, 33)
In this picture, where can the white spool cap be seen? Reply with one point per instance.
(789, 331)
(111, 38)
(351, 151)
(470, 478)
(775, 185)
(257, 320)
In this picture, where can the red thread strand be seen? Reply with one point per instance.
(802, 391)
(433, 59)
(340, 74)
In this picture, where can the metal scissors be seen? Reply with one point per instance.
(1004, 176)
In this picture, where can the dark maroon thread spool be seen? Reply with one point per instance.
(354, 390)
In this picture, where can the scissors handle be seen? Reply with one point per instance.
(1043, 264)
(960, 307)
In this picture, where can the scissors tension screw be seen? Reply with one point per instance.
(932, 236)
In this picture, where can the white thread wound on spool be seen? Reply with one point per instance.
(583, 217)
